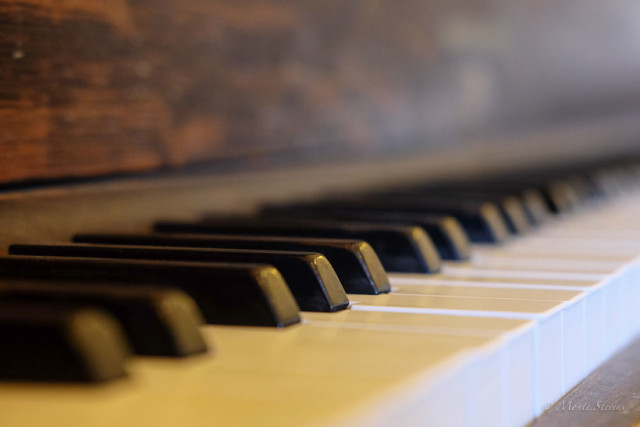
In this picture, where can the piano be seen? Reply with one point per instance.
(318, 213)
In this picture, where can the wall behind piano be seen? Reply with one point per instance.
(91, 88)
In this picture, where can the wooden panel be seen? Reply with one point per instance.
(607, 397)
(90, 87)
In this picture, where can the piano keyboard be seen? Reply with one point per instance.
(491, 340)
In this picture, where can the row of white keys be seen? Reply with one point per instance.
(596, 309)
(303, 374)
(484, 365)
(557, 343)
(479, 346)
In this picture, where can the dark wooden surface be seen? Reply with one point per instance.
(610, 396)
(89, 87)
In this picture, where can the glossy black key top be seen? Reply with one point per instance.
(235, 294)
(310, 276)
(558, 194)
(532, 199)
(355, 262)
(445, 231)
(535, 206)
(511, 208)
(157, 322)
(561, 195)
(54, 342)
(481, 221)
(448, 235)
(400, 248)
(532, 202)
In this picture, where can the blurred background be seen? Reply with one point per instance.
(102, 89)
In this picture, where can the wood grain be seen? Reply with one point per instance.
(91, 88)
(607, 397)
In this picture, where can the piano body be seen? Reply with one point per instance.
(118, 115)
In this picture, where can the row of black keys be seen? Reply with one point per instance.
(154, 290)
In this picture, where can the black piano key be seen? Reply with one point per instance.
(310, 276)
(532, 199)
(54, 342)
(400, 248)
(535, 206)
(157, 322)
(445, 231)
(511, 208)
(235, 294)
(481, 221)
(559, 194)
(448, 235)
(612, 182)
(608, 182)
(355, 262)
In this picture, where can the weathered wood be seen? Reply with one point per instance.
(607, 397)
(89, 87)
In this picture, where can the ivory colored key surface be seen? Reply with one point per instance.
(539, 264)
(516, 274)
(548, 264)
(611, 302)
(515, 308)
(317, 371)
(563, 258)
(494, 282)
(507, 293)
(584, 328)
(555, 319)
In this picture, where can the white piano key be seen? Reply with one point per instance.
(576, 245)
(581, 329)
(555, 320)
(589, 332)
(507, 254)
(492, 388)
(524, 387)
(496, 387)
(465, 271)
(597, 328)
(439, 304)
(293, 375)
(411, 322)
(576, 250)
(545, 264)
(422, 280)
(495, 282)
(487, 291)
